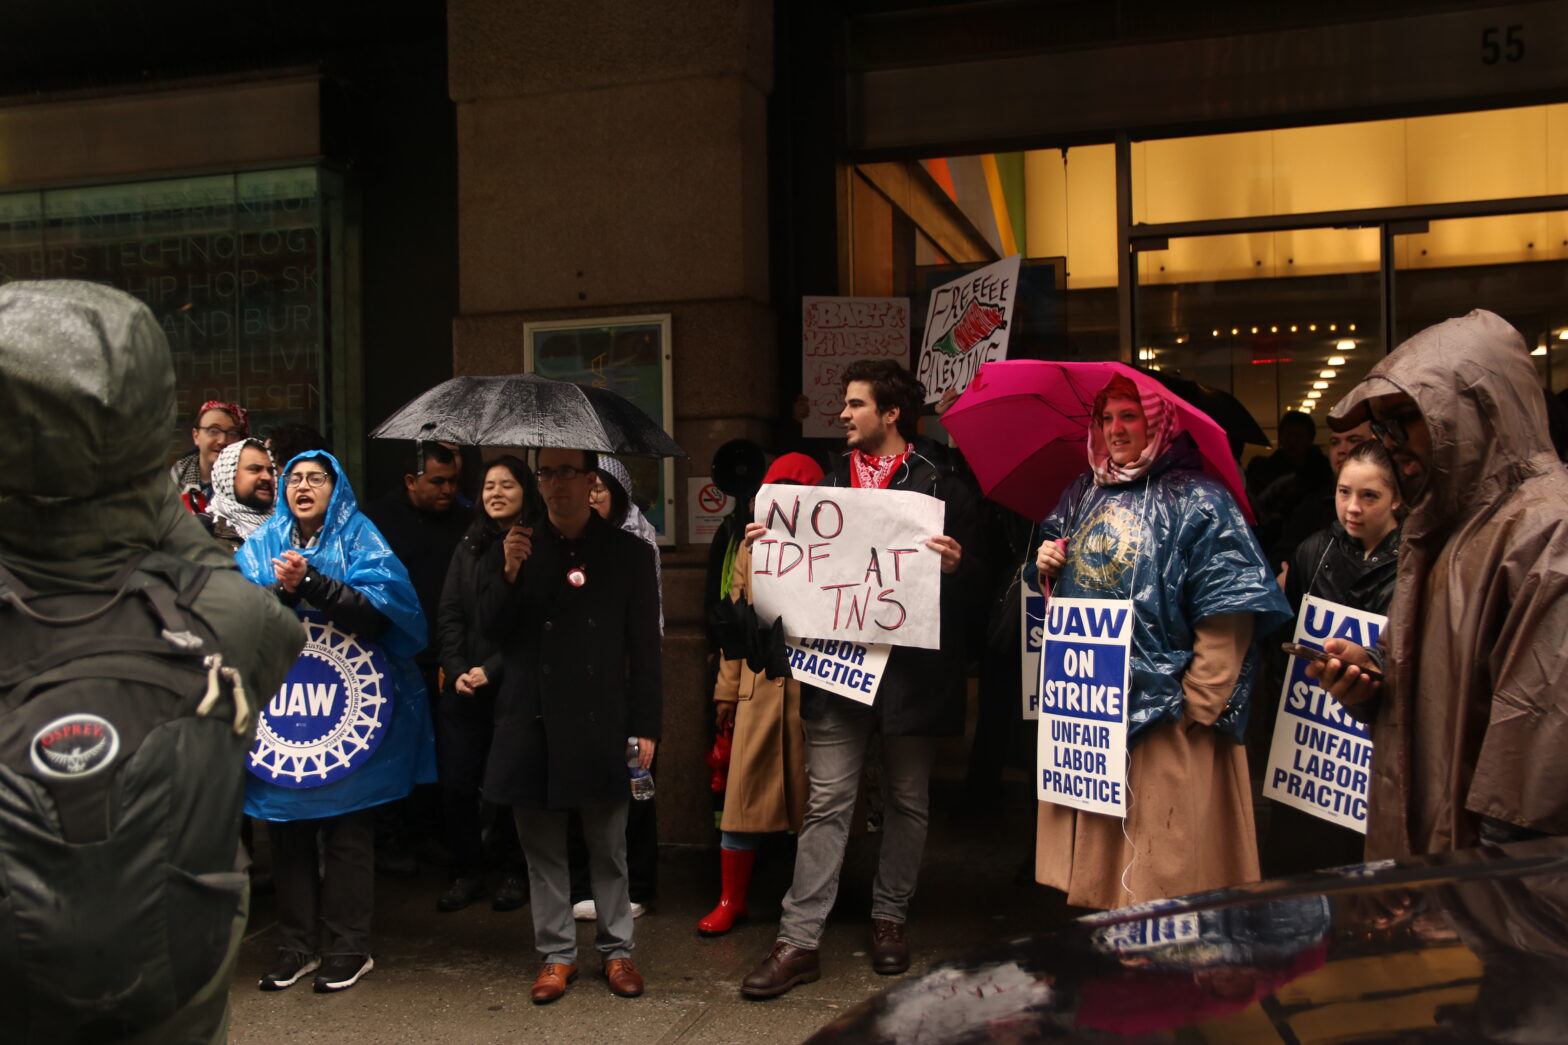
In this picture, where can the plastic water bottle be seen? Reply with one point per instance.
(642, 780)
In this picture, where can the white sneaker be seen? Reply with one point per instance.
(585, 911)
(638, 910)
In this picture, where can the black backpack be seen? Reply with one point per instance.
(122, 763)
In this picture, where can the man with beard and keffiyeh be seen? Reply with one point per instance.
(244, 491)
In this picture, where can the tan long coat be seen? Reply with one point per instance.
(767, 780)
(1474, 718)
(1189, 824)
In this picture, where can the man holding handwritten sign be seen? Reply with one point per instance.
(849, 566)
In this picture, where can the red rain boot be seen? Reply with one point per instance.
(735, 872)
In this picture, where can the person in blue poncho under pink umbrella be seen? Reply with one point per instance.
(1143, 523)
(348, 731)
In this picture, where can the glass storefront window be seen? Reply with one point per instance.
(1276, 339)
(1496, 154)
(1057, 208)
(1515, 265)
(236, 267)
(1283, 318)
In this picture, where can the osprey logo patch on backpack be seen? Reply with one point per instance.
(74, 746)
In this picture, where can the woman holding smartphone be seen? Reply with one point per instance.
(1352, 562)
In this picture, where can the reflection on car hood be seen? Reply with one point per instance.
(1463, 947)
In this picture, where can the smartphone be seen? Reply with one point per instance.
(1296, 649)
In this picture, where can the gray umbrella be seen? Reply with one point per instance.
(528, 410)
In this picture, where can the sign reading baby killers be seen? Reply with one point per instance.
(839, 563)
(1031, 623)
(835, 332)
(1082, 755)
(967, 323)
(1320, 760)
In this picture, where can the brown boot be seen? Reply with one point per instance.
(889, 949)
(784, 967)
(551, 982)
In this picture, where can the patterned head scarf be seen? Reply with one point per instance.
(239, 413)
(223, 505)
(1162, 424)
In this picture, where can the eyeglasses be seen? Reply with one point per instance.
(312, 479)
(566, 473)
(1391, 429)
(218, 431)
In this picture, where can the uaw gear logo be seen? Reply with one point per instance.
(1106, 546)
(330, 714)
(74, 746)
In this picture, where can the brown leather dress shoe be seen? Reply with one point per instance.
(551, 982)
(624, 978)
(889, 949)
(784, 967)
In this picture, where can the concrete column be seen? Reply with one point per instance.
(612, 161)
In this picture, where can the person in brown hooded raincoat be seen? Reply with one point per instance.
(1471, 722)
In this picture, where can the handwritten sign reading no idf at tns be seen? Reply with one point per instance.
(839, 563)
(1082, 756)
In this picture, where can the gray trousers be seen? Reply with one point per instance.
(835, 753)
(543, 835)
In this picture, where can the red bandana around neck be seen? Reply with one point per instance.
(873, 473)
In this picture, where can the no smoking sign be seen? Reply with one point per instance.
(706, 507)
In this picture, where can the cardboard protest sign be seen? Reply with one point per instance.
(1320, 760)
(850, 669)
(839, 563)
(1082, 755)
(967, 323)
(1031, 624)
(835, 332)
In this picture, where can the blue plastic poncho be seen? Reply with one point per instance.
(351, 549)
(1193, 557)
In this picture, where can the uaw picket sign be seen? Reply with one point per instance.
(1031, 623)
(1082, 754)
(330, 714)
(1320, 760)
(850, 669)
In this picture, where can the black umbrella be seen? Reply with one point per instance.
(1224, 408)
(528, 410)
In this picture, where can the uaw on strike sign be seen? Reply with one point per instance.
(849, 572)
(1082, 754)
(1320, 760)
(330, 714)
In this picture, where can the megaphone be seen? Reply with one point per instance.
(738, 467)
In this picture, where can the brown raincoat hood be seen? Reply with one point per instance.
(1476, 387)
(1475, 717)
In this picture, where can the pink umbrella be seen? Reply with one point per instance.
(1023, 424)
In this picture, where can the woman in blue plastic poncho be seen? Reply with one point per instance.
(1143, 523)
(322, 555)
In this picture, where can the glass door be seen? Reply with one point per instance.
(1282, 320)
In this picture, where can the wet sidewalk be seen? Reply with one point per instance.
(464, 977)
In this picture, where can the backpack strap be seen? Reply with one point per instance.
(165, 605)
(15, 592)
(11, 587)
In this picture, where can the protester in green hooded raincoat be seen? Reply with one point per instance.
(87, 394)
